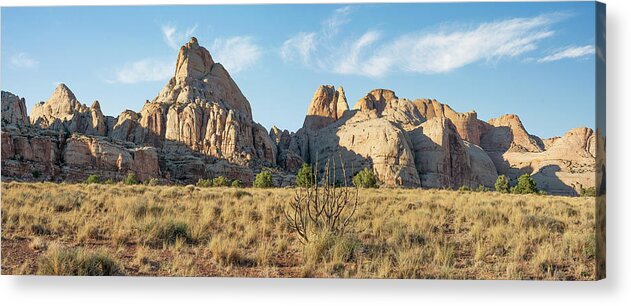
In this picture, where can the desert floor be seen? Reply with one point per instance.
(79, 229)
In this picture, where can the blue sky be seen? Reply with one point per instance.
(536, 60)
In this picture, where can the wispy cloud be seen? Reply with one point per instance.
(439, 51)
(144, 70)
(23, 60)
(236, 53)
(176, 38)
(298, 48)
(569, 52)
(331, 25)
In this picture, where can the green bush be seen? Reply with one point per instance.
(131, 179)
(588, 192)
(221, 181)
(304, 177)
(109, 181)
(93, 179)
(502, 184)
(36, 174)
(204, 183)
(525, 185)
(365, 179)
(464, 188)
(263, 180)
(237, 183)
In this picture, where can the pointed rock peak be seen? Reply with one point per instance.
(62, 93)
(342, 103)
(193, 61)
(193, 41)
(96, 105)
(274, 130)
(327, 106)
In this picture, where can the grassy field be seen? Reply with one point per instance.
(78, 229)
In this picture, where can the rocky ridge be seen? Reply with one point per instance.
(200, 125)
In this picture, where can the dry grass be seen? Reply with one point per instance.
(192, 231)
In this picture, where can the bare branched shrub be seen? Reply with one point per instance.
(326, 206)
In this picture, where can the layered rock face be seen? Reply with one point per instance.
(63, 112)
(200, 126)
(203, 108)
(564, 168)
(200, 116)
(443, 147)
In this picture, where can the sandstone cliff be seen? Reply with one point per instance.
(200, 125)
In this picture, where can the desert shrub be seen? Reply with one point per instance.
(130, 179)
(464, 188)
(109, 181)
(221, 181)
(152, 182)
(167, 232)
(237, 183)
(76, 262)
(502, 184)
(365, 179)
(263, 180)
(525, 185)
(322, 208)
(93, 179)
(551, 224)
(588, 192)
(305, 177)
(226, 252)
(204, 183)
(36, 174)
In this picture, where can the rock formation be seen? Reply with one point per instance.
(327, 106)
(200, 126)
(13, 110)
(63, 112)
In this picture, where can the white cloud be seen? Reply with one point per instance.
(331, 25)
(568, 52)
(23, 60)
(439, 51)
(145, 70)
(350, 61)
(298, 47)
(236, 53)
(175, 38)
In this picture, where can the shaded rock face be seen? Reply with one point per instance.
(564, 168)
(287, 158)
(466, 124)
(13, 110)
(441, 156)
(376, 144)
(507, 133)
(99, 153)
